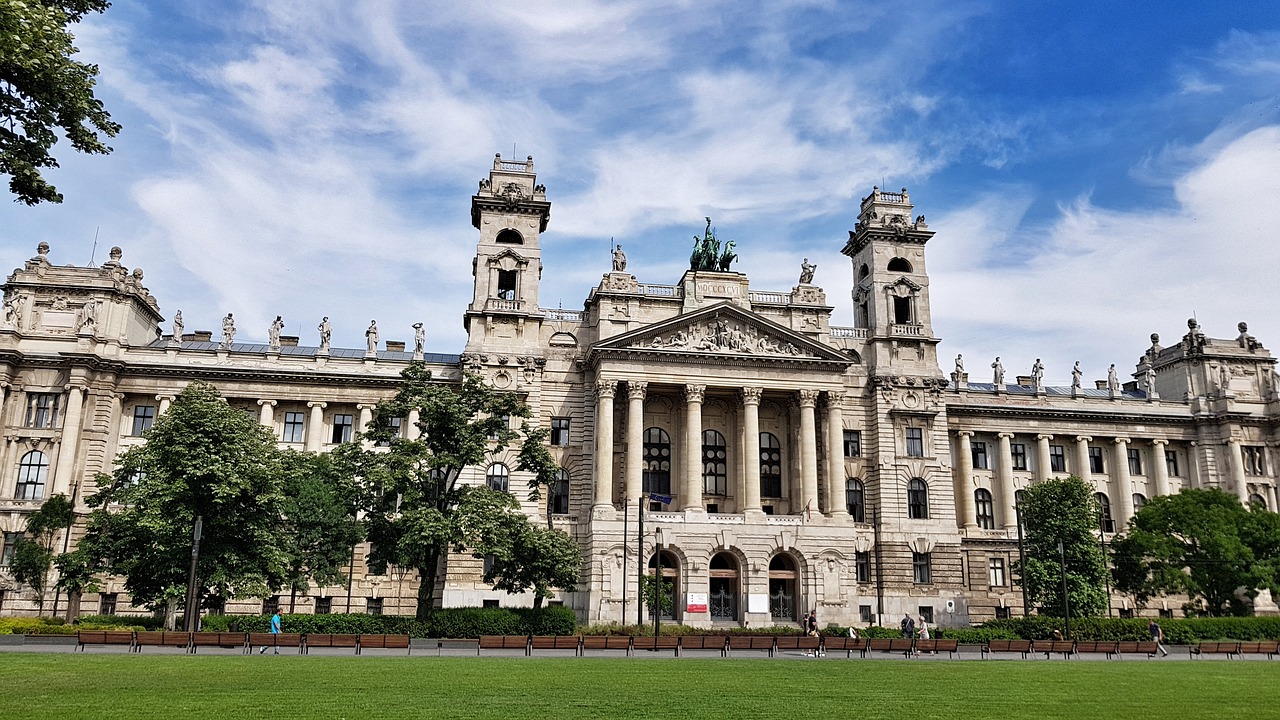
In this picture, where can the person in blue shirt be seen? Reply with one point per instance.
(275, 630)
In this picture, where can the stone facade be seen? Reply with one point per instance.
(781, 463)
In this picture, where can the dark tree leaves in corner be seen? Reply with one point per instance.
(45, 92)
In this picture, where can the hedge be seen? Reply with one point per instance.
(1177, 631)
(449, 623)
(144, 622)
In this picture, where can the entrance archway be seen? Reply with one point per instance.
(783, 580)
(724, 577)
(670, 582)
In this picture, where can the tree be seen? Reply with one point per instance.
(534, 558)
(1201, 543)
(33, 555)
(417, 512)
(649, 585)
(202, 459)
(1062, 509)
(43, 90)
(320, 527)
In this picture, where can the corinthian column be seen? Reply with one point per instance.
(964, 481)
(1005, 464)
(835, 454)
(605, 390)
(635, 439)
(1124, 483)
(691, 488)
(808, 449)
(1236, 464)
(751, 447)
(63, 474)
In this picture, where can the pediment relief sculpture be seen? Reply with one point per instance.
(723, 336)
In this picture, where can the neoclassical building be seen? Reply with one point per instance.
(780, 462)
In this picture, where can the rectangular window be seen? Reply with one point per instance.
(324, 605)
(270, 605)
(1057, 459)
(1166, 613)
(922, 568)
(1135, 461)
(1254, 460)
(143, 417)
(853, 443)
(979, 452)
(490, 603)
(1002, 613)
(864, 613)
(862, 562)
(915, 442)
(10, 541)
(1019, 453)
(1171, 462)
(293, 425)
(42, 410)
(1126, 613)
(1095, 460)
(107, 603)
(397, 430)
(342, 425)
(926, 613)
(373, 606)
(560, 431)
(996, 567)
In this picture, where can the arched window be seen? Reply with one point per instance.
(782, 588)
(863, 271)
(498, 477)
(670, 582)
(984, 509)
(559, 492)
(917, 500)
(899, 265)
(1138, 501)
(770, 466)
(657, 461)
(509, 237)
(715, 464)
(1104, 511)
(33, 470)
(723, 600)
(1256, 500)
(855, 497)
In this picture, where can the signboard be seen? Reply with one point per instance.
(696, 603)
(757, 603)
(664, 499)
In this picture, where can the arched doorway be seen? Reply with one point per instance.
(782, 589)
(670, 582)
(723, 600)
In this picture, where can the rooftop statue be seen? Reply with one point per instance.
(707, 253)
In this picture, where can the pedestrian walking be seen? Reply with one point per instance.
(1157, 634)
(275, 630)
(908, 626)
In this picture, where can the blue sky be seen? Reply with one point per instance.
(1095, 172)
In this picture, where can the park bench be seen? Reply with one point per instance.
(376, 641)
(890, 645)
(104, 637)
(1216, 648)
(804, 642)
(938, 645)
(274, 641)
(757, 643)
(702, 642)
(654, 644)
(218, 639)
(554, 642)
(1065, 648)
(328, 640)
(606, 642)
(503, 642)
(847, 644)
(1007, 646)
(160, 638)
(1134, 647)
(1264, 647)
(1105, 647)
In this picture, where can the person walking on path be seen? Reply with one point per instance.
(908, 626)
(275, 630)
(1157, 634)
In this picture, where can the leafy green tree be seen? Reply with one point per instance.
(417, 510)
(320, 526)
(203, 458)
(44, 91)
(649, 586)
(1063, 509)
(531, 557)
(33, 555)
(1203, 544)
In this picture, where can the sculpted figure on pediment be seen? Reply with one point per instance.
(718, 335)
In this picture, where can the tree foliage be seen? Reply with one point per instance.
(1201, 543)
(44, 91)
(319, 524)
(1063, 509)
(204, 459)
(417, 511)
(33, 555)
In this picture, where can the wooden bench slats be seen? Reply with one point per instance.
(104, 637)
(1009, 646)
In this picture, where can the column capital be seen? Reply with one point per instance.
(1043, 436)
(317, 404)
(1084, 438)
(636, 389)
(73, 386)
(606, 387)
(366, 406)
(751, 395)
(964, 433)
(1005, 435)
(170, 398)
(835, 397)
(808, 398)
(694, 393)
(1159, 441)
(1121, 441)
(1232, 441)
(272, 403)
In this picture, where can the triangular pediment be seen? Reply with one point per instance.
(508, 253)
(723, 330)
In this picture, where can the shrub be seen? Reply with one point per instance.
(1186, 631)
(100, 622)
(35, 626)
(449, 622)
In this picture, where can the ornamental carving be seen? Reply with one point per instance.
(718, 335)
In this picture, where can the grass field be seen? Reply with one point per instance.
(130, 686)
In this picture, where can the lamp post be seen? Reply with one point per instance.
(1022, 558)
(1066, 603)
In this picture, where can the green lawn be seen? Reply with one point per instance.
(131, 686)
